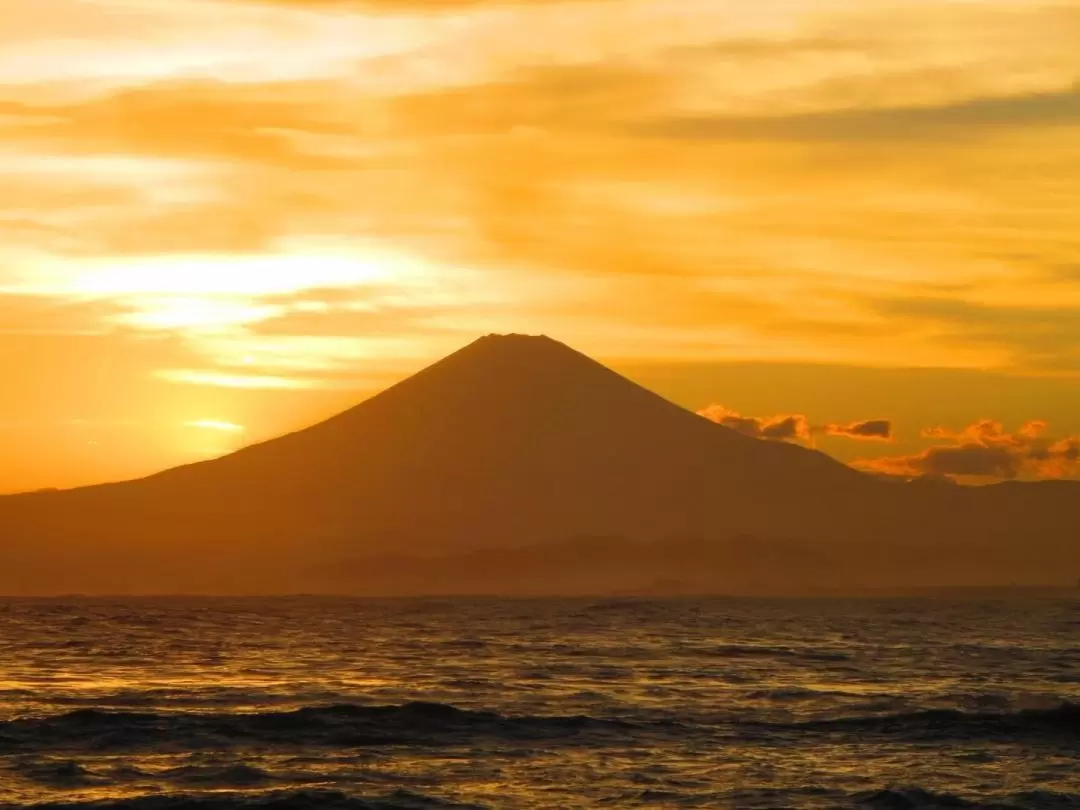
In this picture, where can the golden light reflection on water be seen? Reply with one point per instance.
(578, 702)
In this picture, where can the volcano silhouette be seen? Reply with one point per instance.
(512, 441)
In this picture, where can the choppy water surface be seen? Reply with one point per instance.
(297, 703)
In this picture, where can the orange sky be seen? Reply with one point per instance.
(222, 219)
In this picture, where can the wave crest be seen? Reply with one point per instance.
(1062, 722)
(338, 725)
(287, 800)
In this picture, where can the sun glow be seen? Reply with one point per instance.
(196, 314)
(226, 380)
(214, 424)
(229, 311)
(146, 283)
(207, 438)
(277, 274)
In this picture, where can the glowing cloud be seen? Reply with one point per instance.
(868, 430)
(986, 450)
(784, 427)
(253, 381)
(215, 304)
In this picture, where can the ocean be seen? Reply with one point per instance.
(213, 704)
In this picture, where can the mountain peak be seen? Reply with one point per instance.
(495, 360)
(515, 337)
(520, 344)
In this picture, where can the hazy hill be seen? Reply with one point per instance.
(511, 441)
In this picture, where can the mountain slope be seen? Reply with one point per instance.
(511, 440)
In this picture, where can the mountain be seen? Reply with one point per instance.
(511, 441)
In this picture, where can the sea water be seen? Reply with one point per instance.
(561, 703)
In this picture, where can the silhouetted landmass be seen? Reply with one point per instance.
(739, 566)
(441, 482)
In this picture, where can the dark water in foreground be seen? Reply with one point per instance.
(297, 703)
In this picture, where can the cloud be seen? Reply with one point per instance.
(223, 380)
(981, 450)
(955, 119)
(796, 427)
(1061, 459)
(255, 320)
(411, 6)
(1045, 337)
(985, 449)
(783, 427)
(188, 119)
(973, 460)
(507, 145)
(990, 433)
(44, 315)
(869, 429)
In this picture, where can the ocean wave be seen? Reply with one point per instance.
(911, 798)
(764, 652)
(920, 799)
(238, 775)
(437, 724)
(1062, 722)
(168, 699)
(338, 725)
(64, 774)
(285, 800)
(797, 693)
(195, 774)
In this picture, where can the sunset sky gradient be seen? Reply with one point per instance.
(221, 220)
